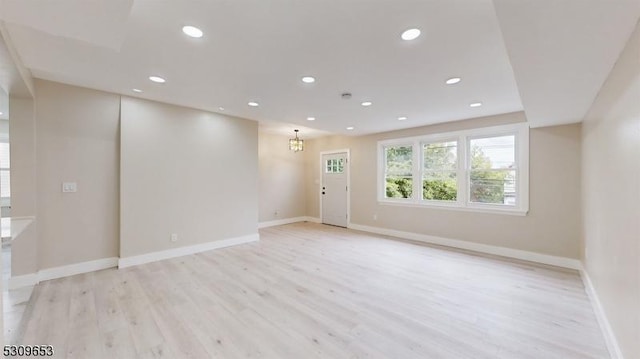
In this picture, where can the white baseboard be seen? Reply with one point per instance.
(603, 321)
(32, 279)
(281, 222)
(78, 268)
(62, 271)
(21, 281)
(184, 251)
(476, 247)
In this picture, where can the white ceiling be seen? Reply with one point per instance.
(554, 54)
(563, 50)
(287, 129)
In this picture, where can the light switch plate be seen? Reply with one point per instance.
(69, 187)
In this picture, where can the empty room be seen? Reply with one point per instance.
(320, 179)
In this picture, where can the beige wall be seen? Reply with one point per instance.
(202, 182)
(77, 140)
(5, 210)
(24, 252)
(552, 225)
(611, 196)
(187, 172)
(282, 179)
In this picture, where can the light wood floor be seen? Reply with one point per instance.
(313, 291)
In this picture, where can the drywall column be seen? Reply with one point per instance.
(611, 198)
(185, 172)
(78, 141)
(22, 136)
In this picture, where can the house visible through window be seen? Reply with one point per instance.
(482, 169)
(493, 170)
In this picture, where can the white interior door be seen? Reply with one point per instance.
(334, 189)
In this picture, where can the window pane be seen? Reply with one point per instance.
(493, 153)
(5, 185)
(441, 156)
(493, 186)
(335, 165)
(4, 155)
(440, 186)
(398, 187)
(399, 160)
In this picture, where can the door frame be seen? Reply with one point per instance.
(348, 166)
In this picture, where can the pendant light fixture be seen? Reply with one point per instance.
(296, 144)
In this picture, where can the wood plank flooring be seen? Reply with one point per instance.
(313, 291)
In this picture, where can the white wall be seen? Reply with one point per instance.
(281, 184)
(24, 252)
(551, 227)
(77, 140)
(185, 171)
(611, 197)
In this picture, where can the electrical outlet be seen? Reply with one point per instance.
(275, 213)
(375, 217)
(174, 237)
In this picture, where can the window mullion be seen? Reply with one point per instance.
(497, 170)
(417, 172)
(462, 171)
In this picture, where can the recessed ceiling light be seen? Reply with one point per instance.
(311, 118)
(136, 90)
(157, 79)
(453, 80)
(367, 103)
(192, 31)
(1, 113)
(308, 79)
(475, 104)
(410, 34)
(402, 118)
(221, 108)
(350, 128)
(253, 104)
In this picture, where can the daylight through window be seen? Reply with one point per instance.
(398, 171)
(482, 169)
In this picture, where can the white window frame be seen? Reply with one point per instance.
(459, 172)
(383, 177)
(463, 138)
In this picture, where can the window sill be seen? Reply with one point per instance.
(453, 207)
